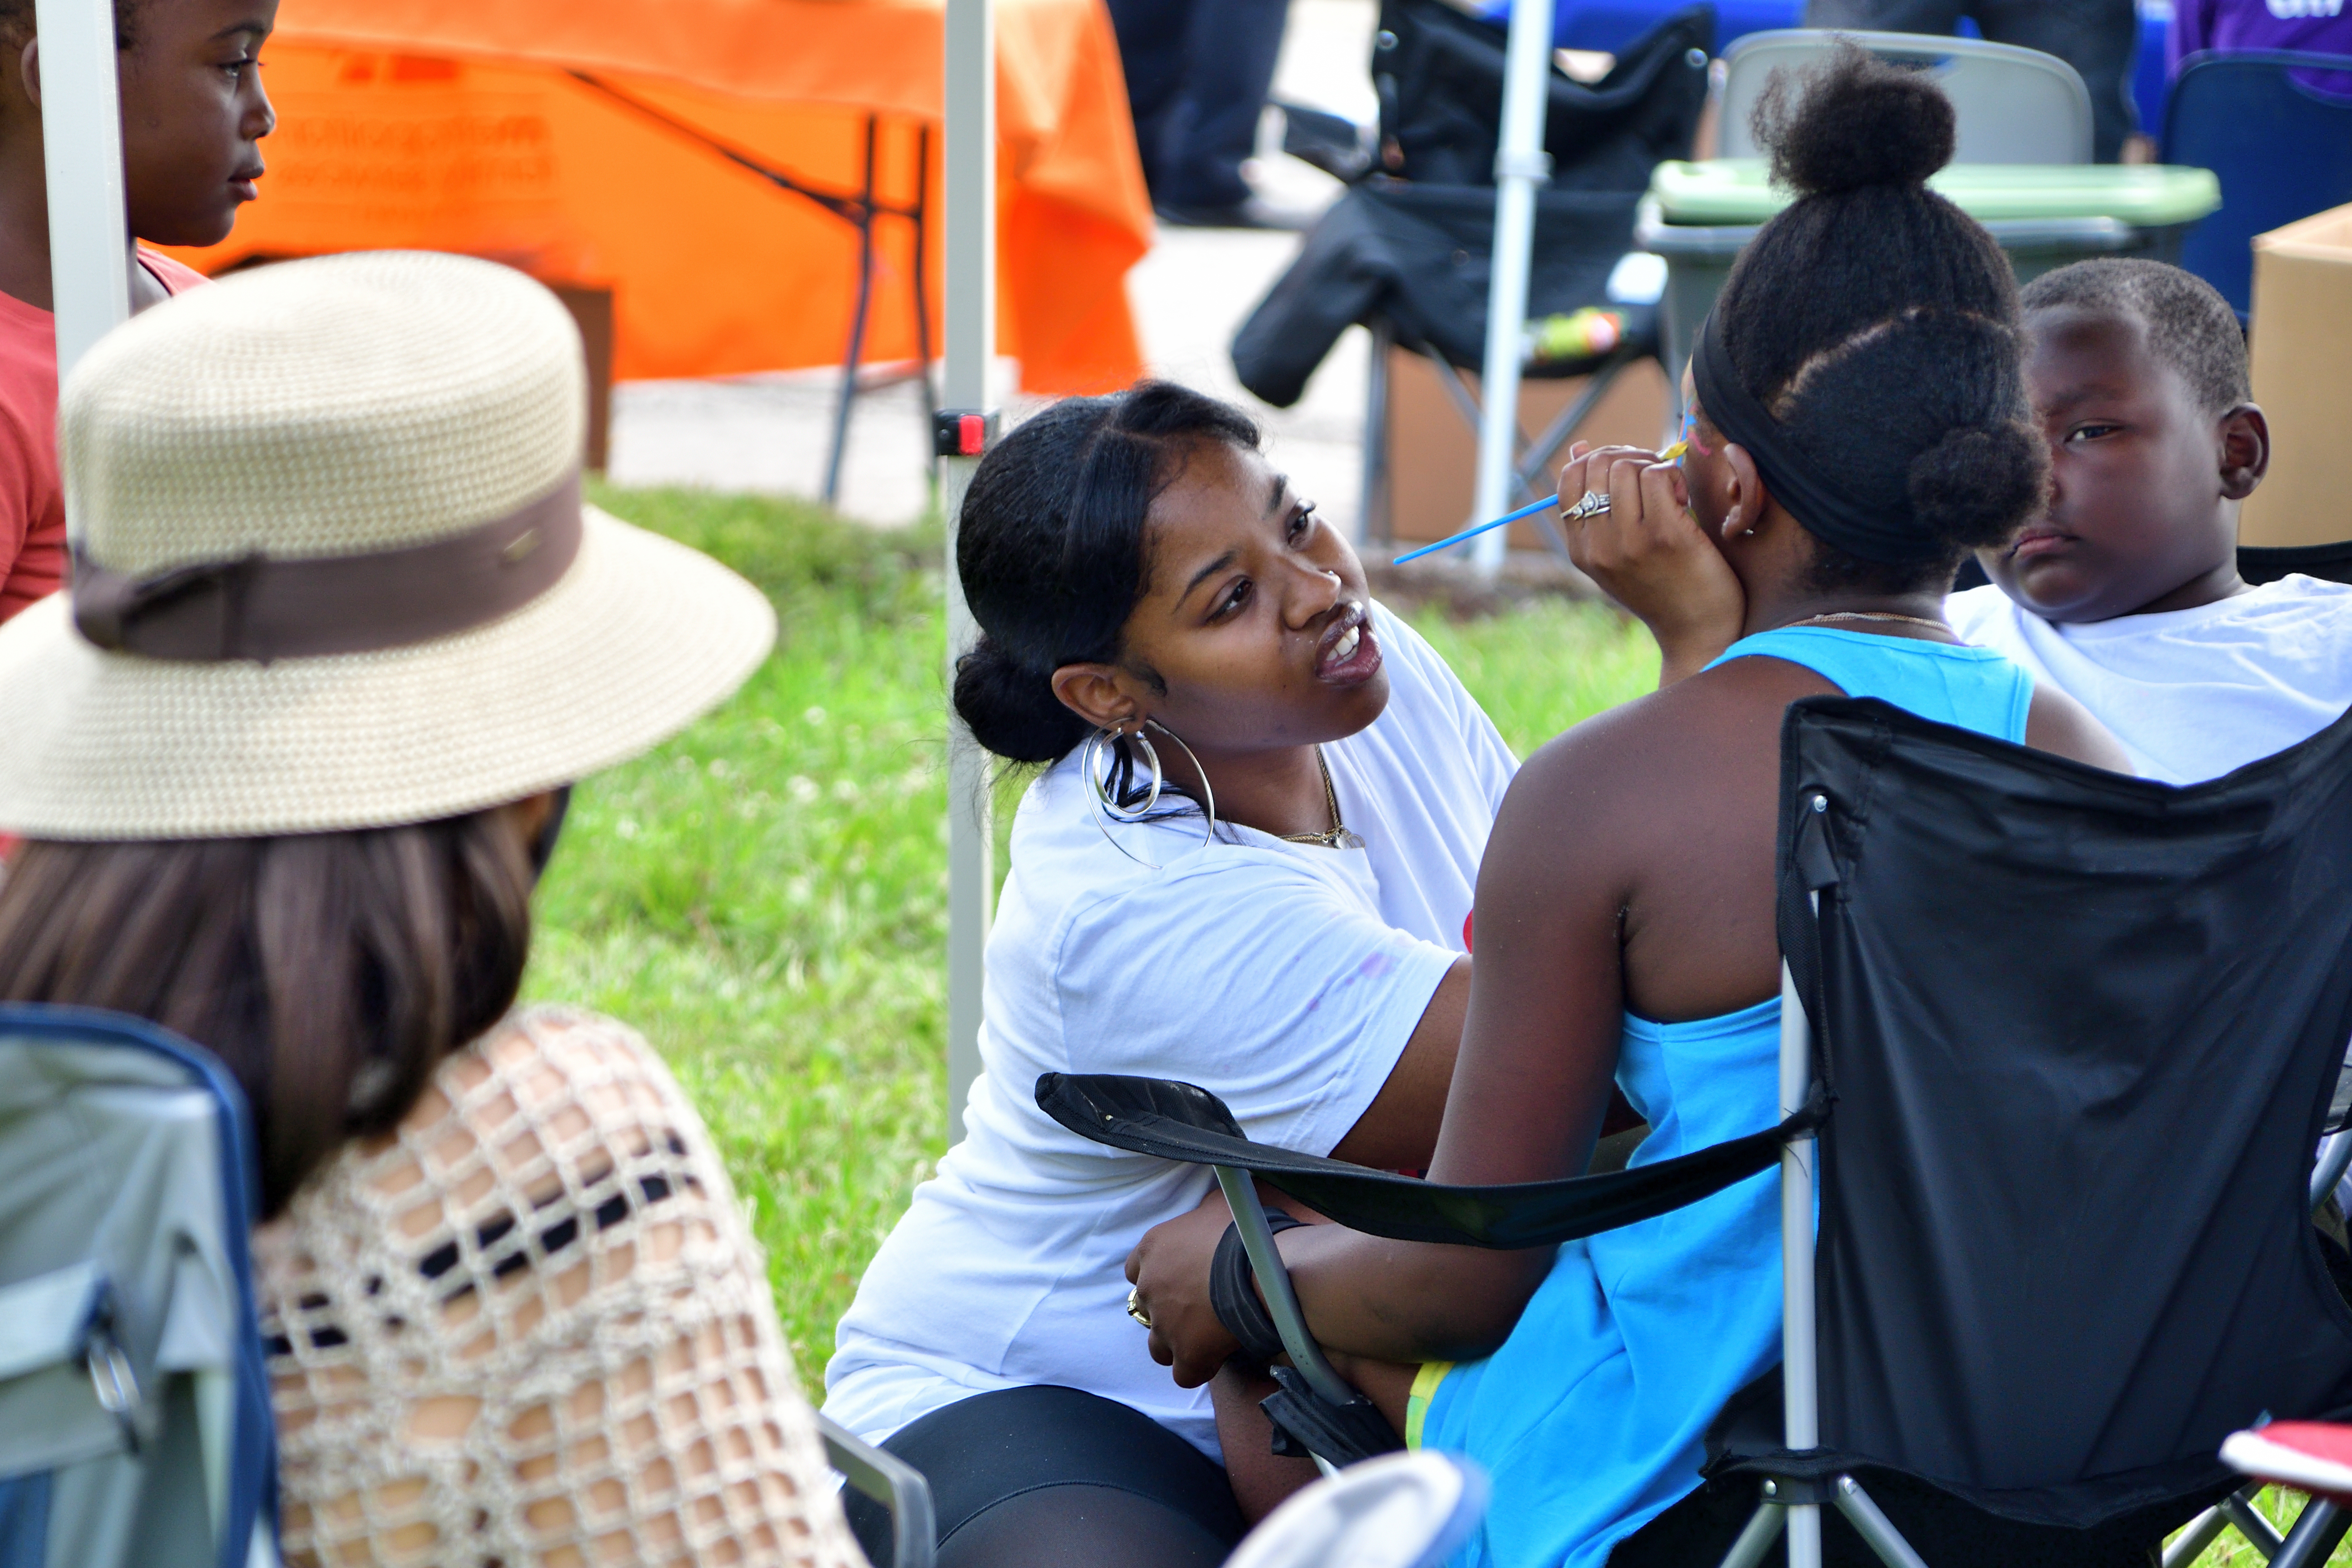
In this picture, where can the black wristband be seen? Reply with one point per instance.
(1233, 1296)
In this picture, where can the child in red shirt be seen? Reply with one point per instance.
(192, 110)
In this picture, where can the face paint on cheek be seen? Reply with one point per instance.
(1690, 441)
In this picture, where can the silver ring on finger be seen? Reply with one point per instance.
(1592, 504)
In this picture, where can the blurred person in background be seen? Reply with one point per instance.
(288, 761)
(1197, 76)
(2100, 39)
(193, 114)
(2301, 27)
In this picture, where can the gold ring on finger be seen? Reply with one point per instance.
(1135, 1309)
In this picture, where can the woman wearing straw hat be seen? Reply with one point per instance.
(287, 763)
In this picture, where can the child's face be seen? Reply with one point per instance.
(2137, 496)
(192, 110)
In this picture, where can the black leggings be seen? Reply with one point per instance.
(1053, 1478)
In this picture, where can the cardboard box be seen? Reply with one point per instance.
(1433, 452)
(2303, 378)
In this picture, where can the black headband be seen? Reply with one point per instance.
(1827, 512)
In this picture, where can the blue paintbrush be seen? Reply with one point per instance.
(1668, 456)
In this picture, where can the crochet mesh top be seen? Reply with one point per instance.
(531, 1330)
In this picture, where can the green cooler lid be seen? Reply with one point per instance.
(1734, 191)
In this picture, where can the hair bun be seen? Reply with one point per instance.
(1977, 486)
(1853, 121)
(1011, 711)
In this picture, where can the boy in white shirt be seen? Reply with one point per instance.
(2125, 594)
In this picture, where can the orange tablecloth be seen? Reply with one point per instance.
(460, 125)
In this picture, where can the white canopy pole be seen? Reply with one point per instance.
(1520, 166)
(968, 422)
(82, 133)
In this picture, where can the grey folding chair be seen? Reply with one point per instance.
(135, 1424)
(2013, 105)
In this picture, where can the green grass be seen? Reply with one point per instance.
(764, 898)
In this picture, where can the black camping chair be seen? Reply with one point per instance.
(1407, 251)
(2063, 1240)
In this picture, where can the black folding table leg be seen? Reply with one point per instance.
(923, 291)
(856, 328)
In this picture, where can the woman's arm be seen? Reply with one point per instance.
(1533, 1078)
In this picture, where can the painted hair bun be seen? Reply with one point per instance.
(1853, 122)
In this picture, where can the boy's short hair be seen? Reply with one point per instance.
(2190, 326)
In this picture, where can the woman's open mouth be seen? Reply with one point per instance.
(1350, 654)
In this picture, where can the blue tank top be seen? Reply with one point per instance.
(1590, 1420)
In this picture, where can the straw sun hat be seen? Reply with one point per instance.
(335, 553)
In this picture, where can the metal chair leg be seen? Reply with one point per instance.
(2191, 1543)
(1764, 1527)
(2239, 1509)
(1374, 524)
(1875, 1528)
(2316, 1530)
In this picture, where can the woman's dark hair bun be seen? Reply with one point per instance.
(1011, 711)
(1979, 485)
(1853, 121)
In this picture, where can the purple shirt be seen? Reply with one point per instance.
(2306, 26)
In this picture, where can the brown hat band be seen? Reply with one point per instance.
(257, 608)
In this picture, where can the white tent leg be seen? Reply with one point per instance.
(81, 130)
(1520, 166)
(971, 289)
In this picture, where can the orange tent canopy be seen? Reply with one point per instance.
(572, 138)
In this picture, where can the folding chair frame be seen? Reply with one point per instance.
(1794, 1505)
(889, 1481)
(1528, 467)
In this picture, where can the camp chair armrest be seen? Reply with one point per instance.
(891, 1481)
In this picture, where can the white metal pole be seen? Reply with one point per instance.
(81, 136)
(1520, 166)
(971, 298)
(1800, 1390)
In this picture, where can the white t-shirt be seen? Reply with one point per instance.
(1284, 978)
(2192, 694)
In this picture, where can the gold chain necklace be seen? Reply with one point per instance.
(1879, 615)
(1337, 836)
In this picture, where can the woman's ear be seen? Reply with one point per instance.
(28, 71)
(2245, 450)
(1099, 694)
(1743, 493)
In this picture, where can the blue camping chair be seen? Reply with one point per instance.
(2282, 151)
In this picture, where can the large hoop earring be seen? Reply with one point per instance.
(1103, 786)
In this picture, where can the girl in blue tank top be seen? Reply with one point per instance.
(1859, 422)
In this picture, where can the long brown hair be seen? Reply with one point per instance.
(330, 972)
